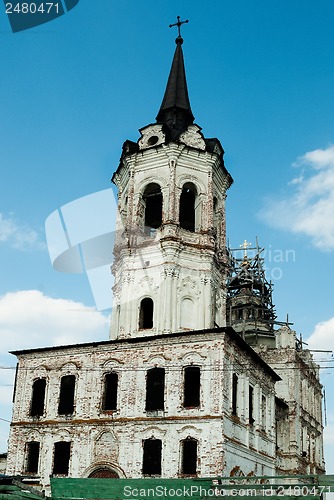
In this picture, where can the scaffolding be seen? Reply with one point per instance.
(250, 309)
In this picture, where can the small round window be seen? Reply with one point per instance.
(153, 140)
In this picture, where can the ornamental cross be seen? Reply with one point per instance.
(245, 245)
(179, 24)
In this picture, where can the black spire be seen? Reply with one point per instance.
(175, 111)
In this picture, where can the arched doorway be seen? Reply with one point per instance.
(104, 472)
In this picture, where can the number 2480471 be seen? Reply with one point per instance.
(32, 8)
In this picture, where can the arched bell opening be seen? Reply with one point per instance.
(188, 207)
(152, 198)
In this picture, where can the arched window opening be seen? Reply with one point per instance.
(146, 314)
(155, 389)
(264, 412)
(38, 398)
(187, 207)
(124, 211)
(66, 397)
(251, 405)
(153, 208)
(192, 385)
(189, 457)
(152, 457)
(235, 394)
(32, 454)
(110, 392)
(240, 313)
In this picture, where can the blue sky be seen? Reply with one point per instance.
(260, 78)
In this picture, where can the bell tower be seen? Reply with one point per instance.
(170, 246)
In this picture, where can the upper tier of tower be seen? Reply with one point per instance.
(250, 310)
(175, 120)
(170, 245)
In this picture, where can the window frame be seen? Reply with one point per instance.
(29, 459)
(235, 391)
(152, 191)
(37, 403)
(55, 462)
(188, 215)
(185, 460)
(147, 458)
(151, 391)
(251, 418)
(188, 383)
(114, 392)
(146, 323)
(62, 405)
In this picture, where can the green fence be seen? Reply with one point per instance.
(12, 488)
(277, 488)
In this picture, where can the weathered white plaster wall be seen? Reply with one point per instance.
(123, 431)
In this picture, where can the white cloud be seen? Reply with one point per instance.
(319, 157)
(30, 319)
(20, 237)
(308, 207)
(322, 337)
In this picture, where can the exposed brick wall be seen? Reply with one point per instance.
(115, 438)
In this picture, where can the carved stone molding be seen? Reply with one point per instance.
(151, 136)
(193, 137)
(171, 271)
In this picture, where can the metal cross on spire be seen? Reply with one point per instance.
(245, 245)
(179, 24)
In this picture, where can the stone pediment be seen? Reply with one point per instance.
(193, 137)
(151, 136)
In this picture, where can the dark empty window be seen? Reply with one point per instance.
(32, 457)
(153, 207)
(146, 314)
(240, 313)
(61, 458)
(66, 397)
(251, 404)
(235, 394)
(187, 207)
(38, 397)
(152, 457)
(264, 412)
(110, 391)
(155, 389)
(192, 383)
(189, 456)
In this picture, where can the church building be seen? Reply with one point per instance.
(195, 381)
